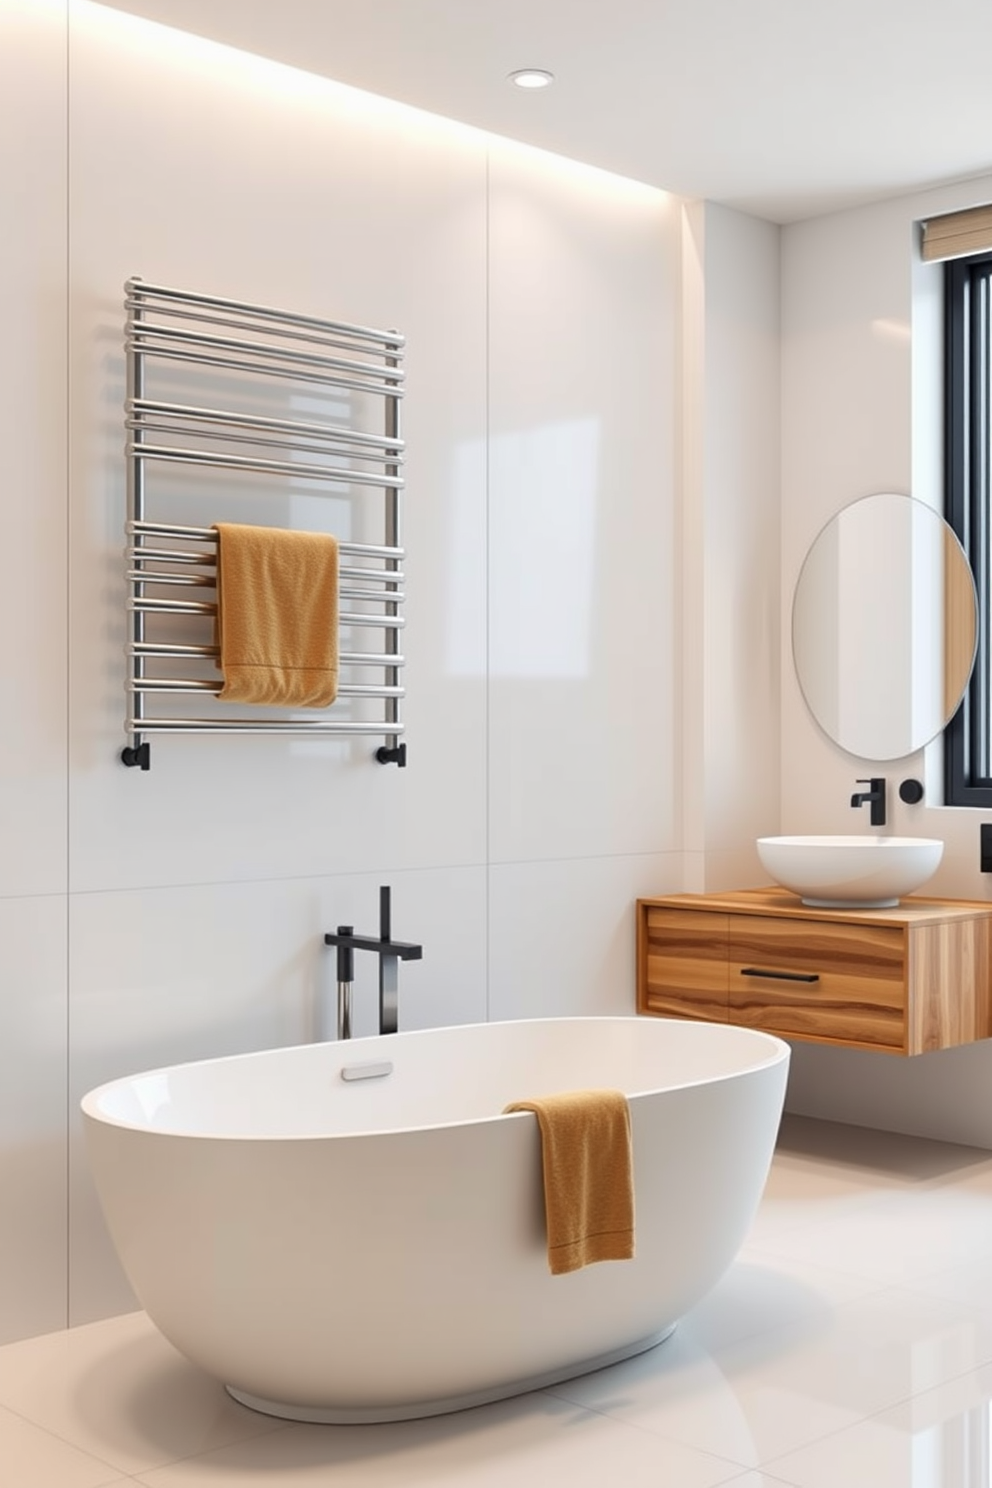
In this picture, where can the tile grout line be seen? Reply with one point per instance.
(487, 425)
(68, 634)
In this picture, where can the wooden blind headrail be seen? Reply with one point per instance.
(957, 234)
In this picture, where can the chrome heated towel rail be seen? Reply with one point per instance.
(209, 384)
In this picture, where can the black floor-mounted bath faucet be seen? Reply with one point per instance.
(875, 795)
(390, 952)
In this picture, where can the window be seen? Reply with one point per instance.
(968, 442)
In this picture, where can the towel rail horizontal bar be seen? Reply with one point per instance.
(145, 606)
(198, 581)
(391, 576)
(393, 595)
(166, 650)
(340, 341)
(330, 451)
(155, 341)
(138, 407)
(141, 289)
(190, 684)
(170, 555)
(208, 534)
(231, 364)
(299, 469)
(194, 581)
(142, 606)
(261, 726)
(144, 332)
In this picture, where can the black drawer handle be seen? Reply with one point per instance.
(782, 976)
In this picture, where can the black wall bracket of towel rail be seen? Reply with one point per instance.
(247, 355)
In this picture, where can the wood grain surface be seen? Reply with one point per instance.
(904, 980)
(860, 992)
(685, 966)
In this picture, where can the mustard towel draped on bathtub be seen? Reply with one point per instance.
(277, 616)
(588, 1176)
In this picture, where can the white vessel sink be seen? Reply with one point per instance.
(850, 872)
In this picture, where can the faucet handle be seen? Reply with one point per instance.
(875, 796)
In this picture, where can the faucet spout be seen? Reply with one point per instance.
(390, 953)
(874, 796)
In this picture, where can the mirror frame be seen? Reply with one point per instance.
(960, 631)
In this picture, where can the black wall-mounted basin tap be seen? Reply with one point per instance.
(875, 795)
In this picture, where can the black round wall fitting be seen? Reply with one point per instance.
(911, 791)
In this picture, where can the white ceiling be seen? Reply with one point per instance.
(782, 108)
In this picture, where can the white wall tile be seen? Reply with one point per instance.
(161, 976)
(846, 432)
(861, 413)
(539, 301)
(32, 1116)
(562, 934)
(581, 513)
(737, 868)
(741, 561)
(300, 194)
(729, 529)
(33, 446)
(943, 1095)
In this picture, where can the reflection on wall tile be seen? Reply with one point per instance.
(389, 232)
(581, 503)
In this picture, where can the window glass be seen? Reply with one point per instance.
(968, 430)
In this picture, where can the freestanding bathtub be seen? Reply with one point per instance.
(353, 1231)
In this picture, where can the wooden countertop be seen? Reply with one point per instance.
(911, 910)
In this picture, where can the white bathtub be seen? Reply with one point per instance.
(374, 1249)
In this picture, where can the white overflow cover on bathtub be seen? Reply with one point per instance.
(372, 1070)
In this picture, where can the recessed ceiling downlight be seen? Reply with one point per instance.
(532, 77)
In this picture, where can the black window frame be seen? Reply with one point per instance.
(967, 338)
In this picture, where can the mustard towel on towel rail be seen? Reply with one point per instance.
(277, 615)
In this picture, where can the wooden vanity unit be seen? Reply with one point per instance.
(904, 980)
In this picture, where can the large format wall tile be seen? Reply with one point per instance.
(160, 976)
(862, 391)
(539, 304)
(582, 468)
(740, 458)
(273, 187)
(562, 934)
(32, 1116)
(33, 446)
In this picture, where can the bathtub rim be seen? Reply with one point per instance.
(778, 1051)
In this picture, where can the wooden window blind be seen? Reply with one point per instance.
(957, 234)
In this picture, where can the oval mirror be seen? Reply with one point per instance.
(884, 626)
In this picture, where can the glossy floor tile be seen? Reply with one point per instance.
(119, 1392)
(32, 1456)
(810, 1364)
(535, 1439)
(938, 1439)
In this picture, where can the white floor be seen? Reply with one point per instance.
(849, 1347)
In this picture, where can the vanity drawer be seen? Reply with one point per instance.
(824, 980)
(684, 964)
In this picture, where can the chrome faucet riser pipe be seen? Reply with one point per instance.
(344, 1009)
